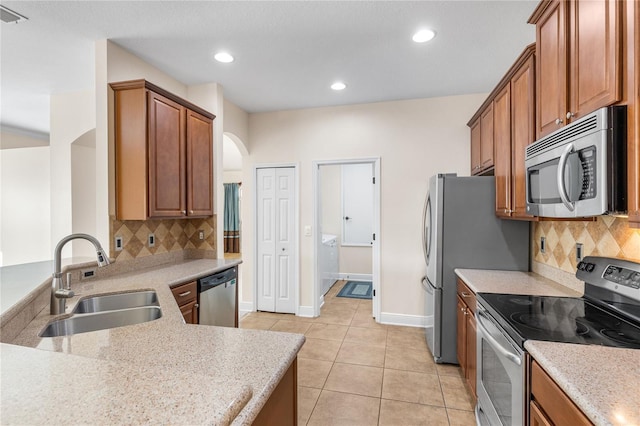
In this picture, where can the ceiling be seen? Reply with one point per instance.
(287, 53)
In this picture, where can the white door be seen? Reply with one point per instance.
(275, 240)
(357, 204)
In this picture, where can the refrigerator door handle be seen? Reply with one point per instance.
(426, 231)
(427, 286)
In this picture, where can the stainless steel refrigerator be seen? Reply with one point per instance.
(461, 230)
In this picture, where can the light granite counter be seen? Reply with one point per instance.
(513, 282)
(602, 381)
(222, 374)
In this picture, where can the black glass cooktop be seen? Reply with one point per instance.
(560, 319)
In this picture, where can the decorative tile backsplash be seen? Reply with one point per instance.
(607, 236)
(170, 235)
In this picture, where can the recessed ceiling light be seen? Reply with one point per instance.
(223, 57)
(423, 36)
(338, 85)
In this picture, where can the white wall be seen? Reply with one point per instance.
(72, 116)
(414, 139)
(83, 189)
(25, 224)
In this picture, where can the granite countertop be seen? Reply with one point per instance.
(221, 374)
(513, 282)
(601, 381)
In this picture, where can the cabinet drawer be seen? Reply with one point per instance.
(185, 293)
(556, 405)
(468, 296)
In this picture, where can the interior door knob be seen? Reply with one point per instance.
(347, 218)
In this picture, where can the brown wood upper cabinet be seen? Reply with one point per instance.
(164, 154)
(578, 66)
(514, 129)
(482, 141)
(507, 119)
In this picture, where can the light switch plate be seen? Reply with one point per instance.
(307, 231)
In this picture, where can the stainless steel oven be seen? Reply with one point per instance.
(579, 170)
(501, 374)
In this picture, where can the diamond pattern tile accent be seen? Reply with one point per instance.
(171, 235)
(607, 236)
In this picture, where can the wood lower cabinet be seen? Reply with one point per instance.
(550, 406)
(164, 154)
(466, 334)
(282, 406)
(578, 67)
(186, 296)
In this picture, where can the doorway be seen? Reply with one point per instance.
(276, 239)
(232, 181)
(347, 215)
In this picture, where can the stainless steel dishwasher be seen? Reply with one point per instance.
(218, 294)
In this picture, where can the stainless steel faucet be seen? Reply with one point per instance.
(59, 294)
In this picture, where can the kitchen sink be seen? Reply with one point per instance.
(111, 302)
(83, 323)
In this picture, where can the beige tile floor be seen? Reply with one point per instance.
(354, 371)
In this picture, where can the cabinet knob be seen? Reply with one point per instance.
(570, 115)
(190, 211)
(558, 121)
(184, 212)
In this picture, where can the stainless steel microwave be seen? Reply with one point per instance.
(580, 170)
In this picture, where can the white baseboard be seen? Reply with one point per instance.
(244, 308)
(406, 320)
(305, 311)
(355, 277)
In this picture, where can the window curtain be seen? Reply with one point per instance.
(231, 218)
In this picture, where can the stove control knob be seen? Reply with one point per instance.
(590, 267)
(581, 266)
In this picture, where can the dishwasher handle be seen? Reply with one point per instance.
(221, 278)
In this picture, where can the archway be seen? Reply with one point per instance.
(233, 151)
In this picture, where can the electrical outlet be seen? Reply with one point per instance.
(542, 244)
(152, 240)
(201, 234)
(87, 273)
(579, 252)
(119, 244)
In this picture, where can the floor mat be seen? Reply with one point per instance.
(356, 290)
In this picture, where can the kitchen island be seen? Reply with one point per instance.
(162, 371)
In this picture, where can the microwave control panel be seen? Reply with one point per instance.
(588, 160)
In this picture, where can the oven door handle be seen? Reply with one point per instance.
(497, 346)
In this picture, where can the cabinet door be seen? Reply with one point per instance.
(595, 79)
(502, 148)
(486, 137)
(199, 165)
(551, 68)
(475, 147)
(537, 417)
(166, 157)
(522, 133)
(461, 338)
(190, 312)
(633, 150)
(470, 336)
